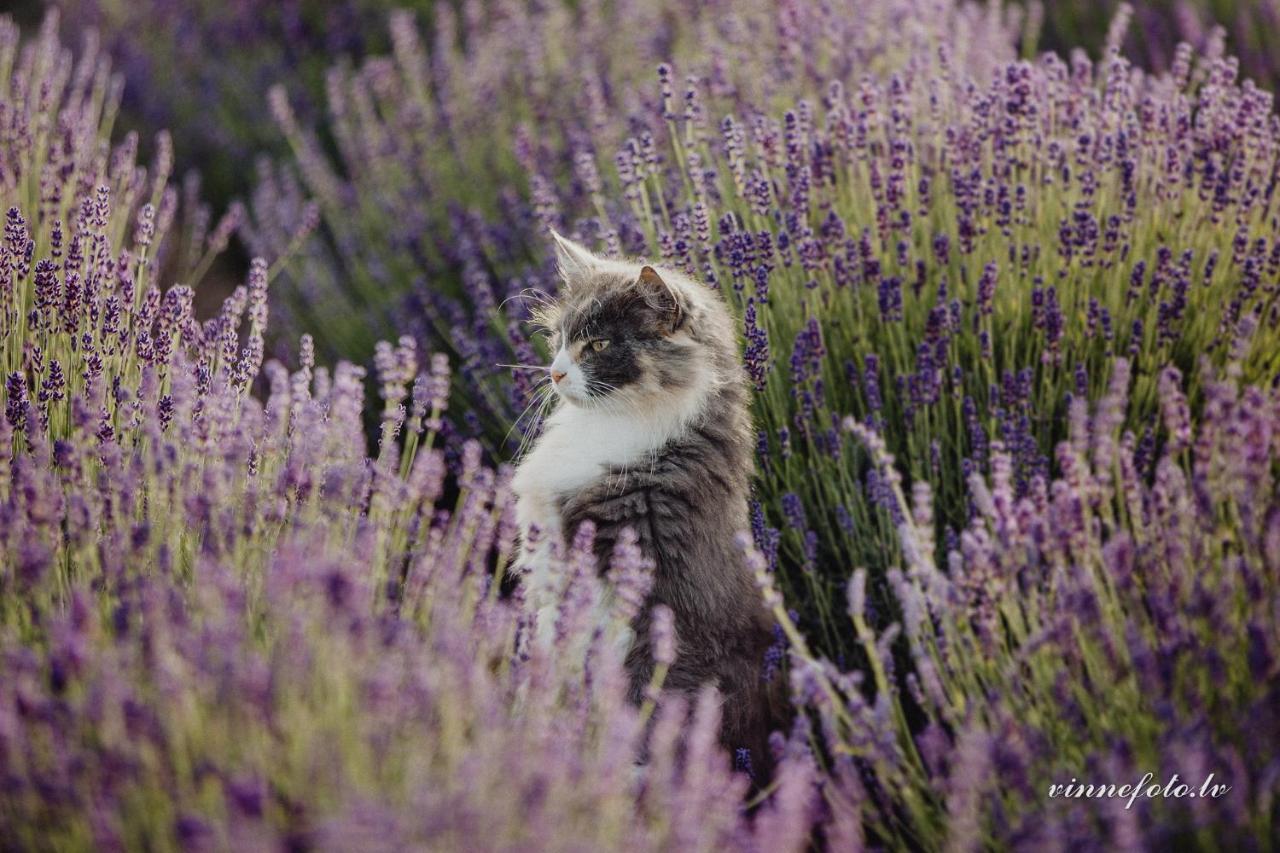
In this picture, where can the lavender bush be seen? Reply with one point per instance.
(1101, 626)
(1034, 537)
(450, 151)
(1246, 28)
(202, 68)
(224, 626)
(918, 230)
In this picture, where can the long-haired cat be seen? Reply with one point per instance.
(651, 432)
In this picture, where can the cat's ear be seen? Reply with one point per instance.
(659, 296)
(573, 260)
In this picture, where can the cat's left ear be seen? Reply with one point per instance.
(659, 296)
(573, 260)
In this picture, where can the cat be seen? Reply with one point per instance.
(651, 431)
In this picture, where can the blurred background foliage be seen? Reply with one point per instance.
(203, 67)
(218, 110)
(1251, 29)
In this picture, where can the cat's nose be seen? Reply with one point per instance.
(557, 375)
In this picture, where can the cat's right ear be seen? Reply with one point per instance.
(573, 260)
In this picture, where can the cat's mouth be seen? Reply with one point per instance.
(572, 395)
(581, 398)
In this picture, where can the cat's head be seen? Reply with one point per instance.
(626, 335)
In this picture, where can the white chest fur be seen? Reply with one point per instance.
(577, 447)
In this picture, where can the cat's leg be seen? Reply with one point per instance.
(538, 564)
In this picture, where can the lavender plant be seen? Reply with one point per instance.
(202, 69)
(1102, 626)
(942, 241)
(229, 628)
(452, 154)
(225, 626)
(223, 623)
(1244, 28)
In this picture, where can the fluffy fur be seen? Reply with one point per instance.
(652, 432)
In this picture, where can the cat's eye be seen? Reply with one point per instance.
(598, 344)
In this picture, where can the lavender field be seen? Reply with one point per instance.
(1009, 307)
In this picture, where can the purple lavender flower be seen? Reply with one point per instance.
(16, 406)
(756, 356)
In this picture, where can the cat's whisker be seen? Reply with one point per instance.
(531, 433)
(527, 439)
(534, 401)
(540, 393)
(543, 393)
(545, 398)
(524, 366)
(539, 298)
